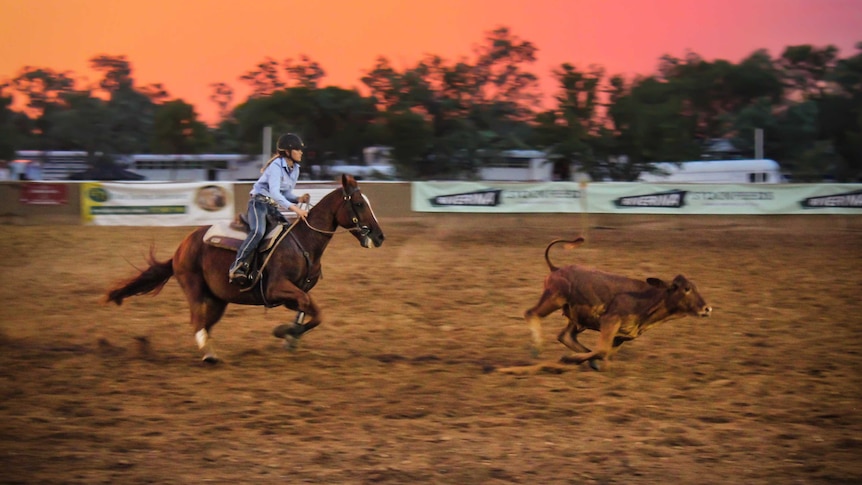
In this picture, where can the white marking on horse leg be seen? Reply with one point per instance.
(201, 336)
(205, 344)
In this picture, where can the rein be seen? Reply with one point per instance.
(363, 230)
(323, 231)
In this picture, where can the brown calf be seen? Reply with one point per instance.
(619, 308)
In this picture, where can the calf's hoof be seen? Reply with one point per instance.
(595, 364)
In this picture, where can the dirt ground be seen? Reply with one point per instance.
(401, 383)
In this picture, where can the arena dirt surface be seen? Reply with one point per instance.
(401, 383)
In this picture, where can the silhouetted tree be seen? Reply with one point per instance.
(304, 74)
(42, 87)
(439, 115)
(177, 130)
(8, 135)
(222, 96)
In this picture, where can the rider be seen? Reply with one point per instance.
(273, 190)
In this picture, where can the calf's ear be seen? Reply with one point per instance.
(656, 282)
(680, 280)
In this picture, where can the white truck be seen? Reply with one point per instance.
(377, 166)
(756, 171)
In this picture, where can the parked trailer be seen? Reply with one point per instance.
(516, 165)
(61, 165)
(762, 171)
(194, 167)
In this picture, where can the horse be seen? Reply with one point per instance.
(292, 270)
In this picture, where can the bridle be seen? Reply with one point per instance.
(362, 229)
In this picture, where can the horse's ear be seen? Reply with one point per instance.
(347, 181)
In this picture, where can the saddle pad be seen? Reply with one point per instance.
(223, 235)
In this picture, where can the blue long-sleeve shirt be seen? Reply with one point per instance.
(278, 182)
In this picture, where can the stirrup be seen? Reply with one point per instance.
(241, 280)
(239, 274)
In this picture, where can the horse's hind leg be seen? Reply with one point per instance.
(205, 311)
(190, 260)
(204, 317)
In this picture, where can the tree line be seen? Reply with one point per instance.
(443, 119)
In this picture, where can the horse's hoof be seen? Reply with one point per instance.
(291, 343)
(281, 331)
(288, 330)
(211, 359)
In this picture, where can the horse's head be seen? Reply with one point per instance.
(356, 214)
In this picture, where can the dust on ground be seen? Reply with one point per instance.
(400, 382)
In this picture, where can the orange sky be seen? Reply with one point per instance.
(188, 44)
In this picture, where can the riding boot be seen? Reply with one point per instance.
(239, 272)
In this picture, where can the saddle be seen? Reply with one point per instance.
(231, 236)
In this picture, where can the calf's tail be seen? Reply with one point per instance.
(570, 243)
(150, 280)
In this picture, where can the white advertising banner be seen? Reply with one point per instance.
(640, 198)
(156, 204)
(496, 197)
(637, 198)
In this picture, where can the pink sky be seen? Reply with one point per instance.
(188, 44)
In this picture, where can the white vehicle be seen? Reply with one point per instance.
(52, 165)
(184, 168)
(377, 166)
(759, 171)
(364, 172)
(60, 165)
(516, 165)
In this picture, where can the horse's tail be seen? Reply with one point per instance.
(151, 280)
(570, 243)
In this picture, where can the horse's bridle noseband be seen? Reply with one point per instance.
(363, 229)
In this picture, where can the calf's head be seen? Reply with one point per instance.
(682, 296)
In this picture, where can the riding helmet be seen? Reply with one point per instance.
(289, 141)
